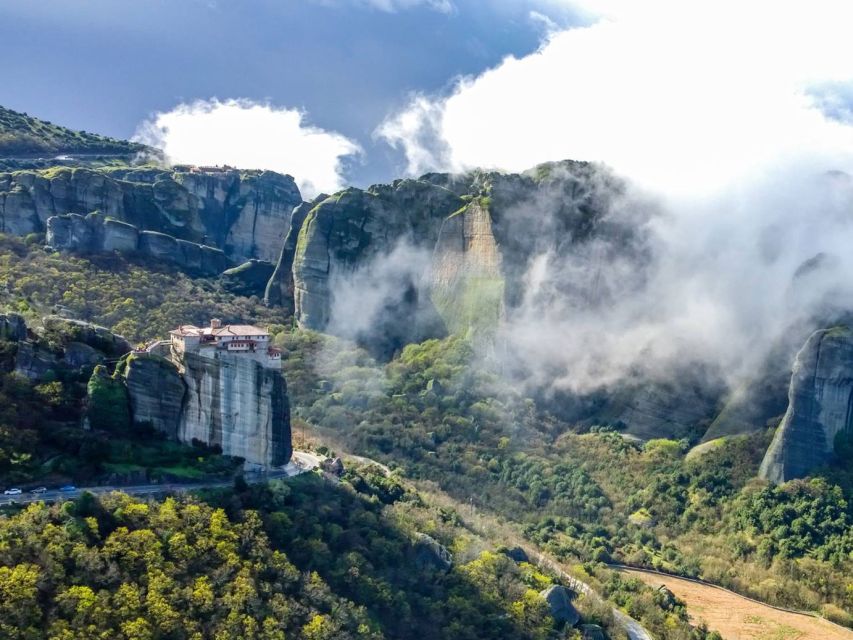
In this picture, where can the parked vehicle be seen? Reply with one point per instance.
(68, 488)
(12, 492)
(39, 490)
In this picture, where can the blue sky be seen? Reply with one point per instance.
(106, 65)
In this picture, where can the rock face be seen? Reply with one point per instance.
(248, 279)
(95, 233)
(467, 241)
(820, 407)
(349, 231)
(63, 331)
(12, 327)
(279, 290)
(560, 605)
(156, 392)
(429, 552)
(236, 403)
(244, 213)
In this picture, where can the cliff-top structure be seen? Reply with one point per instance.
(233, 394)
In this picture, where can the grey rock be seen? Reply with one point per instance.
(517, 554)
(79, 355)
(592, 632)
(238, 404)
(428, 552)
(35, 362)
(63, 331)
(13, 327)
(245, 213)
(248, 279)
(820, 407)
(560, 605)
(334, 466)
(156, 391)
(279, 289)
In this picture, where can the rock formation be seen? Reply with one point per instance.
(237, 404)
(244, 213)
(156, 392)
(279, 290)
(560, 605)
(820, 407)
(247, 279)
(96, 233)
(12, 327)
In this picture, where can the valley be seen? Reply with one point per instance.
(174, 339)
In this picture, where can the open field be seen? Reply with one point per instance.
(738, 618)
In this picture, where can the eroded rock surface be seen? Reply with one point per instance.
(156, 392)
(95, 233)
(244, 213)
(236, 403)
(820, 407)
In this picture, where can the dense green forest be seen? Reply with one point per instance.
(307, 558)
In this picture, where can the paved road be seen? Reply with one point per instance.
(301, 462)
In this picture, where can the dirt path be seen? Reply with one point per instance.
(737, 618)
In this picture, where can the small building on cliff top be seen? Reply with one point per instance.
(245, 339)
(234, 394)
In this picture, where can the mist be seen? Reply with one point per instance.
(733, 121)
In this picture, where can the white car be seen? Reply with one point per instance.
(39, 490)
(12, 492)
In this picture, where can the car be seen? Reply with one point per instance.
(12, 492)
(68, 488)
(39, 490)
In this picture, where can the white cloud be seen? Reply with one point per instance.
(677, 95)
(729, 114)
(251, 135)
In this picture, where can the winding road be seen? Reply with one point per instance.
(301, 462)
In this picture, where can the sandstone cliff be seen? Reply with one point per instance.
(244, 213)
(236, 403)
(820, 407)
(97, 233)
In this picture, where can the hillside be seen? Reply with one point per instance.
(22, 135)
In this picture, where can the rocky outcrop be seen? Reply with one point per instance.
(156, 391)
(560, 605)
(279, 290)
(820, 407)
(35, 361)
(430, 553)
(235, 403)
(244, 213)
(247, 279)
(95, 233)
(12, 327)
(350, 230)
(63, 331)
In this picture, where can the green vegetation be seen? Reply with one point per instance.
(304, 559)
(21, 135)
(108, 402)
(439, 419)
(122, 293)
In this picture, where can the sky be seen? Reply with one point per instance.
(109, 66)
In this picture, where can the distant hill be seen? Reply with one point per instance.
(24, 135)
